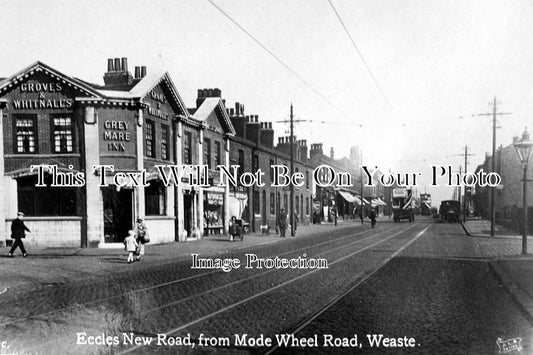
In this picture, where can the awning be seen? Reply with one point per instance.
(378, 202)
(236, 206)
(349, 197)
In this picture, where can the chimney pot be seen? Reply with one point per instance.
(124, 64)
(137, 72)
(236, 109)
(231, 112)
(270, 125)
(110, 66)
(117, 64)
(143, 71)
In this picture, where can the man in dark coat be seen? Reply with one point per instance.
(372, 216)
(282, 222)
(18, 231)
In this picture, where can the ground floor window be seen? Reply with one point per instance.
(46, 201)
(213, 213)
(155, 198)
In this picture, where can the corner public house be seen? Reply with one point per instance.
(132, 122)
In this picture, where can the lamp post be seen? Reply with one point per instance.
(523, 149)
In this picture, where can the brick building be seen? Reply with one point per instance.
(508, 195)
(252, 148)
(132, 122)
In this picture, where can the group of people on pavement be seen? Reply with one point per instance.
(283, 222)
(134, 242)
(137, 237)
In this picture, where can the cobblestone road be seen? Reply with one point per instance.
(438, 290)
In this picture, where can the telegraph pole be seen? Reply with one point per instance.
(466, 155)
(493, 168)
(291, 187)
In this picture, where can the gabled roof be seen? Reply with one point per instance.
(143, 88)
(25, 73)
(211, 104)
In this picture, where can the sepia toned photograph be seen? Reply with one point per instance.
(266, 177)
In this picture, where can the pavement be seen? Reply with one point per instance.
(504, 252)
(53, 266)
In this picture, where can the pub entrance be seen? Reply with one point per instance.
(187, 213)
(118, 213)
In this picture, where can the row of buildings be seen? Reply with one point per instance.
(136, 122)
(508, 196)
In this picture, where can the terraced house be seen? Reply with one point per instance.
(83, 161)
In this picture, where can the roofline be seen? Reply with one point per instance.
(39, 66)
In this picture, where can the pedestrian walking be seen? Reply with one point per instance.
(18, 232)
(234, 229)
(372, 216)
(282, 222)
(131, 245)
(141, 236)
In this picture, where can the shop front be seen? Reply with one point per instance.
(213, 212)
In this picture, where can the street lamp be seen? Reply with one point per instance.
(523, 149)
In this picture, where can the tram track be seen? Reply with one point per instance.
(195, 277)
(291, 281)
(317, 313)
(195, 296)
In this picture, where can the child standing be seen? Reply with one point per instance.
(131, 245)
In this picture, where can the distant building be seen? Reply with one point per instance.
(508, 196)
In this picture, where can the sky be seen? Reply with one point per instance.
(436, 65)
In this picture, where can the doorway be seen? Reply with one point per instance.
(118, 214)
(187, 213)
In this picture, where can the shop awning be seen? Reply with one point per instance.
(236, 206)
(378, 202)
(349, 197)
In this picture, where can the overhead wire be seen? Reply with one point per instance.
(360, 54)
(279, 60)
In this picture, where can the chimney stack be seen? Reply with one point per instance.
(332, 154)
(117, 76)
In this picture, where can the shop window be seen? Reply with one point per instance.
(272, 203)
(62, 134)
(187, 148)
(257, 203)
(46, 200)
(213, 212)
(165, 151)
(25, 133)
(207, 152)
(155, 198)
(149, 137)
(217, 153)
